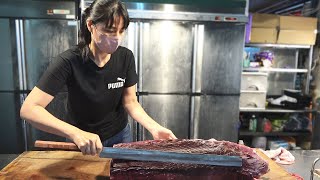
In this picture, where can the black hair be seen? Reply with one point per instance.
(100, 11)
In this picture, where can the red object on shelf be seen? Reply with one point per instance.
(267, 126)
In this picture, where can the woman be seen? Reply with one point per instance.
(101, 79)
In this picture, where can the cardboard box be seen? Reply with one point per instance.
(298, 37)
(297, 30)
(265, 21)
(263, 35)
(298, 23)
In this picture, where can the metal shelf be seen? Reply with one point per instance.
(249, 133)
(277, 110)
(283, 70)
(285, 46)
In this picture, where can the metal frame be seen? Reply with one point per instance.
(276, 110)
(283, 70)
(285, 46)
(155, 11)
(313, 168)
(309, 70)
(296, 66)
(186, 16)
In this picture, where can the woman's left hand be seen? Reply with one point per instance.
(162, 133)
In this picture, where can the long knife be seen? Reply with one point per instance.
(151, 155)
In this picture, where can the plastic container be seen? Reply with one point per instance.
(254, 81)
(275, 144)
(253, 124)
(241, 142)
(253, 99)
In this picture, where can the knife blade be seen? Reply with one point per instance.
(152, 155)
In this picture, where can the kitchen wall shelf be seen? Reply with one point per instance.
(282, 70)
(272, 110)
(280, 78)
(285, 46)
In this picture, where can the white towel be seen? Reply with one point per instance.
(280, 155)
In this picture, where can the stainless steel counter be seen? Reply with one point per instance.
(303, 162)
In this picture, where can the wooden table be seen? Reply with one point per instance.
(56, 165)
(73, 165)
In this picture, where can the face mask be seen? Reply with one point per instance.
(107, 44)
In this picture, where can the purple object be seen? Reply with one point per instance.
(264, 55)
(264, 58)
(248, 28)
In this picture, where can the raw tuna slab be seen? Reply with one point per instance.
(252, 165)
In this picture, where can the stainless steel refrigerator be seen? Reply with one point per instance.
(189, 68)
(189, 77)
(32, 34)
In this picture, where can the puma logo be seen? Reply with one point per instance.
(120, 79)
(117, 85)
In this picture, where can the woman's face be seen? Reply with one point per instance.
(116, 30)
(106, 38)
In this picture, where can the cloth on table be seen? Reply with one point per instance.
(280, 155)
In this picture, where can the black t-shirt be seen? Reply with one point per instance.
(94, 93)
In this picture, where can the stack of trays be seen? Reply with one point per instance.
(254, 86)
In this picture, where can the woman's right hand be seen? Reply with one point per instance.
(88, 143)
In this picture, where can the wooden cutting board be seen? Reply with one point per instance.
(56, 165)
(73, 165)
(276, 172)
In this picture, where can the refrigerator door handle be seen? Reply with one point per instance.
(140, 27)
(140, 128)
(22, 73)
(197, 58)
(21, 54)
(194, 116)
(196, 79)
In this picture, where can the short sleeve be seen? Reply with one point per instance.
(132, 77)
(55, 77)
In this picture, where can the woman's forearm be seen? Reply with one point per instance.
(40, 118)
(135, 110)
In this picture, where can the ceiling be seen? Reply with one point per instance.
(288, 7)
(255, 5)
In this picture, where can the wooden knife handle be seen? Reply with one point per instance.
(56, 145)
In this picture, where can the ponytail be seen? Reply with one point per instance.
(84, 33)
